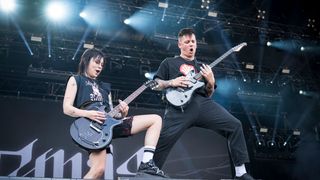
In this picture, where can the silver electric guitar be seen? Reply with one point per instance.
(179, 96)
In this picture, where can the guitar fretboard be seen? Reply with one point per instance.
(129, 99)
(214, 63)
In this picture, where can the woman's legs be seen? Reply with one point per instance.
(98, 164)
(152, 123)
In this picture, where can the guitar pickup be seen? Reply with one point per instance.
(96, 126)
(179, 89)
(193, 80)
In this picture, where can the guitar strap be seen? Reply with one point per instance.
(197, 64)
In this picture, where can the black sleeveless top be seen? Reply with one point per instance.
(91, 90)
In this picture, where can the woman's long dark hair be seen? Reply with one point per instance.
(86, 57)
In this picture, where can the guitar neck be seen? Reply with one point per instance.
(214, 63)
(129, 99)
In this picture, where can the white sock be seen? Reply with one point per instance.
(148, 153)
(240, 170)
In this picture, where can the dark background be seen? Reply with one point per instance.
(32, 86)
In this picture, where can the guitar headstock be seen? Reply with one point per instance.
(239, 47)
(152, 84)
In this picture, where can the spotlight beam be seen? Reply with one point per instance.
(22, 36)
(49, 41)
(276, 121)
(84, 36)
(163, 14)
(185, 12)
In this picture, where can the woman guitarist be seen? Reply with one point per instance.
(85, 87)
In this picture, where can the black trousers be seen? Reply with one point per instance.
(205, 113)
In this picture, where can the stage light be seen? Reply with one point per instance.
(149, 75)
(56, 10)
(83, 14)
(213, 13)
(260, 143)
(205, 4)
(285, 143)
(246, 78)
(296, 132)
(249, 66)
(127, 21)
(269, 43)
(302, 48)
(312, 24)
(263, 130)
(285, 71)
(144, 69)
(93, 15)
(7, 5)
(283, 81)
(301, 92)
(163, 5)
(36, 39)
(276, 145)
(271, 144)
(261, 14)
(88, 46)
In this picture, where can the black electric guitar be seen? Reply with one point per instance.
(180, 96)
(92, 135)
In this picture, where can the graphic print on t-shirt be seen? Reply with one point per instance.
(95, 95)
(185, 69)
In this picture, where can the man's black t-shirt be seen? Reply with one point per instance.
(171, 68)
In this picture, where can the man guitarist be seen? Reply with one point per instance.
(84, 88)
(201, 111)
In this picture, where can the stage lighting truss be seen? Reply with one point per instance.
(281, 144)
(269, 81)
